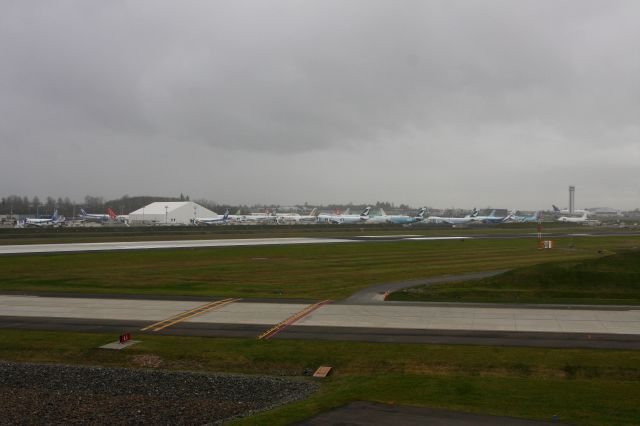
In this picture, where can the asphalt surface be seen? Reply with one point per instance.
(396, 322)
(375, 294)
(361, 413)
(352, 334)
(22, 249)
(17, 249)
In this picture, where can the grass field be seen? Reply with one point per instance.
(613, 279)
(162, 233)
(590, 387)
(296, 271)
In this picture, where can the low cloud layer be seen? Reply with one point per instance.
(444, 103)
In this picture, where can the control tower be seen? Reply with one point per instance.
(572, 199)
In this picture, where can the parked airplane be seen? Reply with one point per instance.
(573, 219)
(491, 218)
(513, 217)
(256, 217)
(212, 220)
(54, 220)
(558, 210)
(398, 219)
(453, 220)
(381, 217)
(345, 218)
(110, 215)
(297, 218)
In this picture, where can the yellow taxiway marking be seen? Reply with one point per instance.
(188, 314)
(293, 318)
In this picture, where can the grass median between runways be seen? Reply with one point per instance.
(612, 280)
(322, 271)
(581, 386)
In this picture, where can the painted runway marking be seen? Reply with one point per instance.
(439, 238)
(153, 245)
(292, 319)
(161, 325)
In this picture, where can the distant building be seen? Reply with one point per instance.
(572, 199)
(604, 211)
(169, 213)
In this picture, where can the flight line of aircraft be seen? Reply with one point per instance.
(365, 217)
(330, 218)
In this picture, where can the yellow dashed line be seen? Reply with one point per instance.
(293, 318)
(188, 314)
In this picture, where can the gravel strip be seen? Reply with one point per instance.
(39, 394)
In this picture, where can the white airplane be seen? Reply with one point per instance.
(491, 218)
(297, 218)
(54, 220)
(453, 220)
(513, 217)
(573, 219)
(110, 215)
(326, 217)
(212, 220)
(256, 217)
(558, 210)
(382, 217)
(345, 218)
(398, 219)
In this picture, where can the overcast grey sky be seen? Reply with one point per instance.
(440, 103)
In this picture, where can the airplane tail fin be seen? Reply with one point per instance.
(82, 213)
(382, 212)
(226, 215)
(314, 212)
(475, 212)
(421, 213)
(54, 216)
(111, 214)
(555, 208)
(493, 213)
(365, 212)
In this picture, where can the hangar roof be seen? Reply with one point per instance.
(158, 207)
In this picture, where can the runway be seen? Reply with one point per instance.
(533, 326)
(20, 249)
(156, 245)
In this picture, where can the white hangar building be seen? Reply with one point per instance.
(169, 213)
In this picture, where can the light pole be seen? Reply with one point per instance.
(166, 214)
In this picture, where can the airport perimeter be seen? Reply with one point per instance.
(190, 303)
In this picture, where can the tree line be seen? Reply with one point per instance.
(34, 206)
(22, 205)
